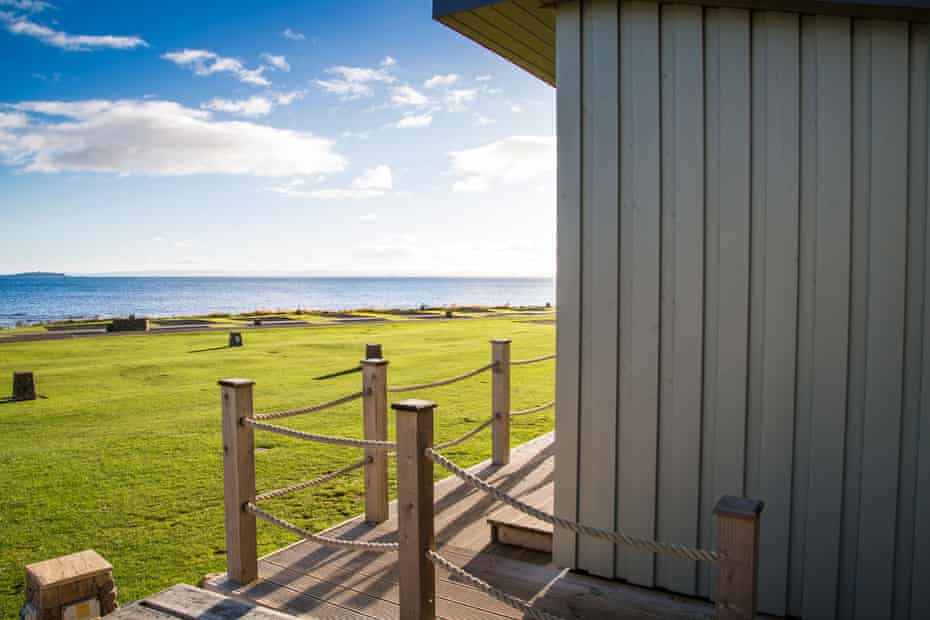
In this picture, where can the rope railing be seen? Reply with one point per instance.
(311, 483)
(329, 439)
(541, 407)
(273, 415)
(466, 436)
(640, 544)
(328, 541)
(422, 386)
(533, 360)
(495, 593)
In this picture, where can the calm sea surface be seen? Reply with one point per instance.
(32, 299)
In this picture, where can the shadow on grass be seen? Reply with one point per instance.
(210, 349)
(9, 399)
(340, 373)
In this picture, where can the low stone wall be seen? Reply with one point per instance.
(128, 325)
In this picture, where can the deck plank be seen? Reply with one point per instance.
(311, 581)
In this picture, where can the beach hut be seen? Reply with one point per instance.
(743, 294)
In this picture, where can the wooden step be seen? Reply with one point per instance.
(509, 526)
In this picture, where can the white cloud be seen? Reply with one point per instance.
(413, 121)
(482, 78)
(276, 62)
(353, 82)
(482, 121)
(407, 95)
(28, 6)
(441, 80)
(157, 138)
(17, 24)
(510, 160)
(376, 178)
(372, 183)
(458, 100)
(205, 62)
(368, 217)
(252, 107)
(388, 61)
(288, 98)
(516, 108)
(293, 35)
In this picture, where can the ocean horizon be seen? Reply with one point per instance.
(38, 299)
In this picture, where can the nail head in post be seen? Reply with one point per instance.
(235, 382)
(743, 507)
(415, 405)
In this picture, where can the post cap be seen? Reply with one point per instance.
(414, 404)
(235, 382)
(374, 362)
(745, 507)
(501, 341)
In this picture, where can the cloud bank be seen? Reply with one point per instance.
(152, 137)
(510, 160)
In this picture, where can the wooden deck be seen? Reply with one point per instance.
(310, 581)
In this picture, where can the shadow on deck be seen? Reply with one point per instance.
(311, 581)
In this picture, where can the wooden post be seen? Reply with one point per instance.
(374, 410)
(500, 401)
(24, 386)
(373, 352)
(738, 520)
(415, 509)
(239, 480)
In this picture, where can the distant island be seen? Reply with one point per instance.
(34, 274)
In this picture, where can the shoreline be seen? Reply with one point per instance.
(225, 323)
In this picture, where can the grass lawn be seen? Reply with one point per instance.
(125, 454)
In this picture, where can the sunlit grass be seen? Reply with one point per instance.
(124, 453)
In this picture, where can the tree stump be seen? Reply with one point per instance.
(373, 352)
(235, 339)
(24, 386)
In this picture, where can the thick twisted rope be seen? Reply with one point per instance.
(500, 595)
(323, 540)
(311, 483)
(468, 435)
(618, 538)
(532, 409)
(336, 441)
(420, 386)
(311, 409)
(533, 360)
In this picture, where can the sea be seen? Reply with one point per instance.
(26, 300)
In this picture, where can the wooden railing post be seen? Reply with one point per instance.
(500, 401)
(415, 509)
(239, 480)
(374, 410)
(738, 520)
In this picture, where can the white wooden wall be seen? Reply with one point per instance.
(744, 296)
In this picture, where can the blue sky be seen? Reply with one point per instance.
(323, 137)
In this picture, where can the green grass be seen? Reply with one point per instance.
(125, 456)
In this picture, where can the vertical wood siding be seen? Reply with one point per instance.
(744, 296)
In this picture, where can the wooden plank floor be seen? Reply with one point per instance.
(310, 581)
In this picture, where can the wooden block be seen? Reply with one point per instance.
(373, 352)
(24, 386)
(54, 583)
(235, 339)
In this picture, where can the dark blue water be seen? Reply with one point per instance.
(33, 299)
